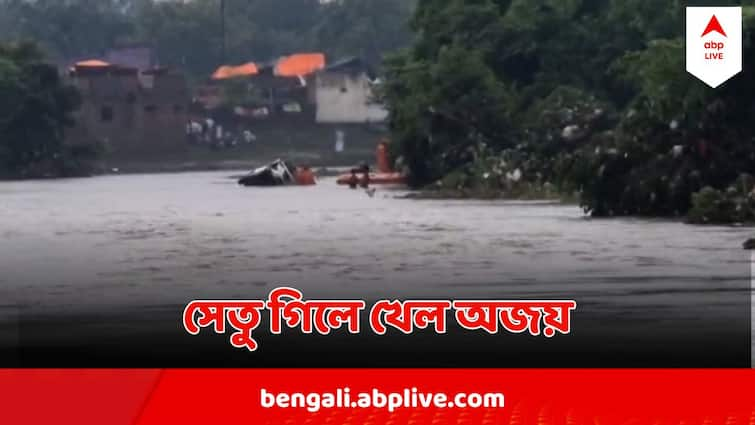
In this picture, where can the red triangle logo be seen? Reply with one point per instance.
(714, 26)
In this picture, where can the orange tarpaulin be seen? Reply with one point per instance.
(92, 63)
(225, 72)
(300, 64)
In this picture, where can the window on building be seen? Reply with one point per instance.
(178, 109)
(106, 114)
(150, 108)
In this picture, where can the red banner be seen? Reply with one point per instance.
(363, 397)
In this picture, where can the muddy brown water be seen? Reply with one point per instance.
(135, 242)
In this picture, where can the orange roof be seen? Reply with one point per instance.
(226, 71)
(92, 63)
(300, 64)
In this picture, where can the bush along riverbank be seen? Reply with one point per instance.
(736, 204)
(514, 175)
(36, 107)
(507, 175)
(524, 99)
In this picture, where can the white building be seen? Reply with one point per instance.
(344, 94)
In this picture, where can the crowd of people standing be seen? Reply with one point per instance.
(209, 133)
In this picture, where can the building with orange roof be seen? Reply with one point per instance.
(300, 65)
(227, 72)
(92, 63)
(299, 98)
(303, 85)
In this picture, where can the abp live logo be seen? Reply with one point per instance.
(714, 43)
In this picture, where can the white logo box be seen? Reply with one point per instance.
(714, 43)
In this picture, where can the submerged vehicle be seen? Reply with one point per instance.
(279, 173)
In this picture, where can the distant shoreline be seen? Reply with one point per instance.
(172, 168)
(327, 164)
(323, 169)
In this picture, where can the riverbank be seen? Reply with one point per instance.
(477, 188)
(489, 194)
(733, 205)
(199, 158)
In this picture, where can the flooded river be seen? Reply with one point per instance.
(139, 242)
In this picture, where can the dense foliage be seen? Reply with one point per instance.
(188, 33)
(35, 109)
(590, 96)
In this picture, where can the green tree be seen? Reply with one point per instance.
(185, 34)
(35, 109)
(188, 34)
(67, 28)
(595, 98)
(366, 28)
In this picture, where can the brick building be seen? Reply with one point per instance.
(128, 110)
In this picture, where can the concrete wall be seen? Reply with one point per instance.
(345, 98)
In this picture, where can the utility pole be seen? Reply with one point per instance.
(222, 30)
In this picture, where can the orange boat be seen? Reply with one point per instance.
(384, 176)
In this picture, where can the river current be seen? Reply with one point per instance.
(135, 242)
